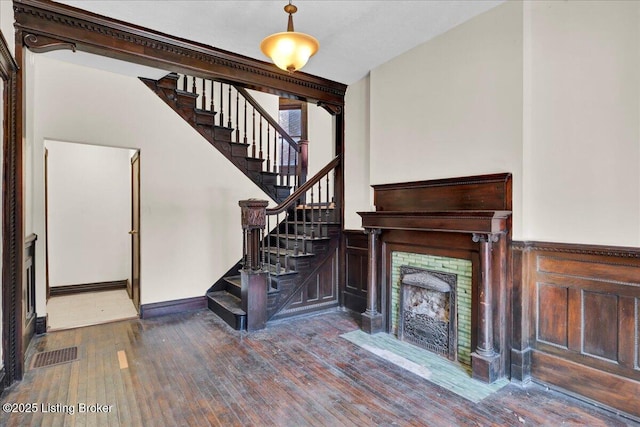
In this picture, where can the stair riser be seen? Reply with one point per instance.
(237, 322)
(222, 134)
(316, 215)
(304, 245)
(168, 82)
(185, 100)
(205, 119)
(269, 179)
(310, 231)
(238, 150)
(254, 165)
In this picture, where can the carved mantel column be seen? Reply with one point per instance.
(486, 361)
(372, 318)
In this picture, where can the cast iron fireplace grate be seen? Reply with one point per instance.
(55, 357)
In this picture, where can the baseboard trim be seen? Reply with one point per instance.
(41, 325)
(163, 308)
(55, 291)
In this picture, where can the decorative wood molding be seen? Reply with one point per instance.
(164, 308)
(579, 249)
(12, 214)
(42, 44)
(98, 34)
(475, 222)
(56, 291)
(575, 320)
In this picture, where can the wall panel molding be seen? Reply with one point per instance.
(576, 318)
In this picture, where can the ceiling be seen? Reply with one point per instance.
(355, 36)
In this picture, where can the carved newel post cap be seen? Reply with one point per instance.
(253, 213)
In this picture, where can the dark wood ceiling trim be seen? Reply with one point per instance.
(97, 34)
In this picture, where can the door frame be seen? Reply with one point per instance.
(13, 275)
(135, 231)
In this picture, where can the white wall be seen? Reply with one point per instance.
(582, 144)
(6, 24)
(89, 194)
(357, 153)
(549, 91)
(452, 106)
(321, 132)
(190, 220)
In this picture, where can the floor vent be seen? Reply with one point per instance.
(55, 357)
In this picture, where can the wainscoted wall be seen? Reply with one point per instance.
(577, 320)
(354, 292)
(575, 316)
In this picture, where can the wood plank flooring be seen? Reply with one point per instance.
(193, 370)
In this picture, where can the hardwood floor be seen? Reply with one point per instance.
(194, 370)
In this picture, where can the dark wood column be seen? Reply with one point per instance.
(486, 361)
(372, 318)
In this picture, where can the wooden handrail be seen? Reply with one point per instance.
(268, 117)
(304, 187)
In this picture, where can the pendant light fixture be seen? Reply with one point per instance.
(289, 50)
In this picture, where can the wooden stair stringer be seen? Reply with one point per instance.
(278, 302)
(218, 136)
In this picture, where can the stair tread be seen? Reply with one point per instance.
(228, 301)
(288, 252)
(205, 112)
(308, 223)
(186, 93)
(271, 269)
(234, 280)
(299, 237)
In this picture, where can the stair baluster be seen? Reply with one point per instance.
(253, 148)
(212, 107)
(237, 116)
(221, 113)
(260, 136)
(204, 94)
(313, 228)
(245, 127)
(229, 124)
(268, 147)
(326, 218)
(275, 154)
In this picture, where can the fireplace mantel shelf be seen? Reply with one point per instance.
(461, 221)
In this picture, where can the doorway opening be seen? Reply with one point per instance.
(92, 210)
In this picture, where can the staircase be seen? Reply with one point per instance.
(289, 266)
(231, 120)
(298, 257)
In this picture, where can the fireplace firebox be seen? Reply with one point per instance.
(427, 315)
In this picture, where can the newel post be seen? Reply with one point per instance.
(253, 279)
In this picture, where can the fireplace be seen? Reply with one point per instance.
(427, 316)
(466, 218)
